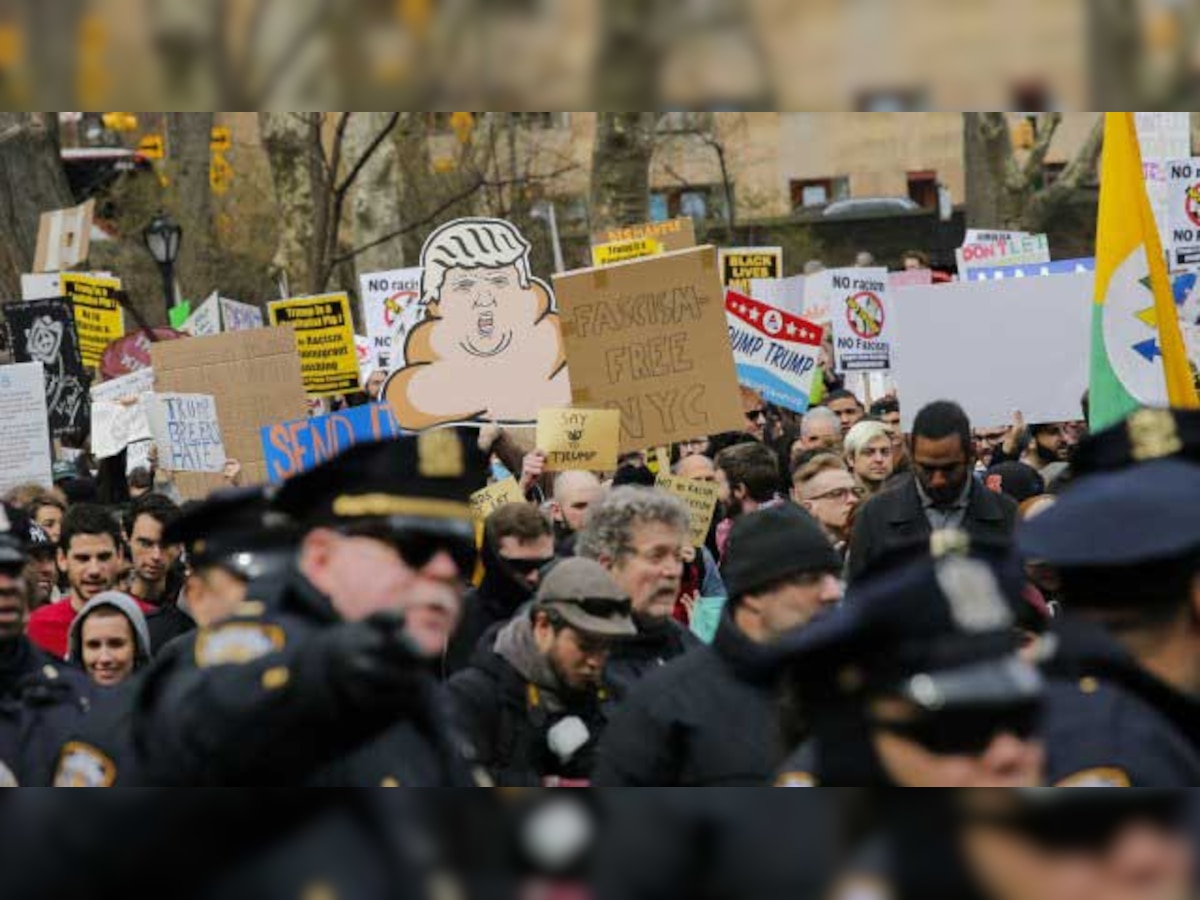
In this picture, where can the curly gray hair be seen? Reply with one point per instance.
(608, 531)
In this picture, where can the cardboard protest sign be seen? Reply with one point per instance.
(186, 432)
(782, 293)
(1027, 249)
(324, 340)
(741, 264)
(978, 334)
(44, 331)
(385, 297)
(25, 437)
(487, 500)
(290, 448)
(586, 439)
(861, 317)
(64, 237)
(776, 353)
(238, 316)
(485, 344)
(1037, 270)
(118, 413)
(205, 319)
(255, 378)
(613, 245)
(99, 319)
(649, 338)
(700, 497)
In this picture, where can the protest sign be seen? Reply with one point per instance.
(1037, 270)
(1162, 136)
(649, 338)
(486, 501)
(978, 342)
(238, 316)
(1026, 249)
(64, 237)
(365, 356)
(25, 437)
(910, 278)
(118, 414)
(700, 497)
(741, 264)
(782, 293)
(776, 353)
(978, 236)
(324, 340)
(99, 319)
(186, 432)
(132, 352)
(613, 245)
(586, 439)
(41, 286)
(385, 296)
(255, 378)
(862, 320)
(290, 448)
(44, 331)
(178, 314)
(137, 456)
(1182, 237)
(205, 319)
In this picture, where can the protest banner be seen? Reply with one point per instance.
(25, 437)
(1037, 270)
(324, 340)
(1162, 137)
(586, 439)
(741, 264)
(44, 331)
(776, 353)
(205, 319)
(862, 320)
(99, 319)
(487, 500)
(255, 378)
(186, 432)
(118, 413)
(613, 245)
(700, 497)
(238, 316)
(1182, 238)
(649, 338)
(982, 337)
(64, 238)
(1029, 249)
(782, 293)
(385, 297)
(290, 448)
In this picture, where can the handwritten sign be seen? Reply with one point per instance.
(486, 501)
(700, 497)
(776, 353)
(186, 432)
(118, 413)
(386, 297)
(586, 439)
(44, 331)
(25, 437)
(1018, 250)
(205, 319)
(99, 319)
(290, 448)
(324, 340)
(741, 264)
(238, 316)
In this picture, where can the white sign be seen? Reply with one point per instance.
(1182, 237)
(861, 313)
(385, 297)
(205, 319)
(776, 353)
(240, 316)
(1163, 136)
(118, 413)
(1028, 249)
(137, 456)
(976, 236)
(186, 432)
(64, 236)
(783, 293)
(47, 286)
(996, 347)
(25, 437)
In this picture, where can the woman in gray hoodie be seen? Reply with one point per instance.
(109, 638)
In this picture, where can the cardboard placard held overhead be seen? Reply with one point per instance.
(99, 319)
(254, 376)
(486, 501)
(25, 437)
(740, 265)
(44, 331)
(290, 448)
(118, 413)
(385, 297)
(649, 338)
(700, 497)
(187, 432)
(324, 340)
(585, 439)
(64, 238)
(612, 245)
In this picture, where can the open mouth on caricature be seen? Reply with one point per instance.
(498, 346)
(487, 324)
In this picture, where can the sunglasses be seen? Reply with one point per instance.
(417, 547)
(965, 732)
(1087, 825)
(756, 415)
(527, 566)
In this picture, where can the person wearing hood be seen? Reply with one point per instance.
(708, 719)
(534, 704)
(518, 542)
(109, 639)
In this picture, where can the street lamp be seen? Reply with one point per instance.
(162, 238)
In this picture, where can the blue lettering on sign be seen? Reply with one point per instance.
(290, 448)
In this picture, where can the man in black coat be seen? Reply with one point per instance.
(942, 495)
(708, 719)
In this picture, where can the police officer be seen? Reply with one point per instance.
(1125, 542)
(331, 684)
(916, 681)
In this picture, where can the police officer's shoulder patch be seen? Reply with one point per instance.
(1104, 777)
(235, 642)
(797, 780)
(81, 765)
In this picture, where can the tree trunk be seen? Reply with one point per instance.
(288, 139)
(621, 168)
(986, 151)
(32, 182)
(375, 201)
(190, 135)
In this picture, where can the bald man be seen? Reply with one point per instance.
(696, 468)
(574, 494)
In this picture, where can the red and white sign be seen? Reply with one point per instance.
(776, 353)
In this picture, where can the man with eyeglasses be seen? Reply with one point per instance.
(827, 491)
(328, 682)
(534, 705)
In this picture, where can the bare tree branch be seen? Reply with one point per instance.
(289, 56)
(368, 153)
(1047, 126)
(1082, 169)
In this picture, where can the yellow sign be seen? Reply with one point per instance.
(220, 174)
(487, 501)
(99, 319)
(324, 340)
(586, 439)
(741, 264)
(120, 121)
(222, 139)
(152, 147)
(620, 251)
(700, 497)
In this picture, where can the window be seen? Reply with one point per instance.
(700, 202)
(923, 188)
(812, 193)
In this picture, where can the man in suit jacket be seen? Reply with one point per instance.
(942, 494)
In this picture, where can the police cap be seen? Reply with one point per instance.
(235, 529)
(1145, 435)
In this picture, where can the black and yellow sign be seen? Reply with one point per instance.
(739, 265)
(324, 340)
(99, 319)
(152, 146)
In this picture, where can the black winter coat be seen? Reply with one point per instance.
(632, 659)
